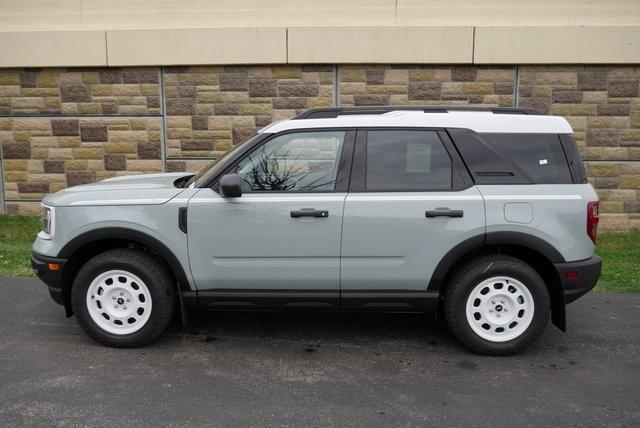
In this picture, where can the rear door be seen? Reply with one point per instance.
(410, 201)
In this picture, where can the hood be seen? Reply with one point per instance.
(144, 189)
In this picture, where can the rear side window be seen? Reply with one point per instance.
(406, 161)
(509, 158)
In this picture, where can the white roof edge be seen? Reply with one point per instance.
(475, 121)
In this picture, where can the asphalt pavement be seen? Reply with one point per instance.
(318, 369)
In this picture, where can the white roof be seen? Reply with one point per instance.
(479, 121)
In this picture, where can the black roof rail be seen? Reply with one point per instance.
(333, 112)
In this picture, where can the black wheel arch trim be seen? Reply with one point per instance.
(492, 238)
(131, 235)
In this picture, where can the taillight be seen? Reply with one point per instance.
(593, 216)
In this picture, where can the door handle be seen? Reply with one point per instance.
(310, 212)
(444, 212)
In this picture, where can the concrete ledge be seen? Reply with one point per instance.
(557, 45)
(52, 48)
(197, 46)
(434, 45)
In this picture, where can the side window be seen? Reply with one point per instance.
(539, 156)
(406, 161)
(297, 162)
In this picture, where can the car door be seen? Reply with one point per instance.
(279, 243)
(410, 201)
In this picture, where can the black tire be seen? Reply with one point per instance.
(473, 273)
(158, 280)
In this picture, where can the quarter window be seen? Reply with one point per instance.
(407, 161)
(297, 162)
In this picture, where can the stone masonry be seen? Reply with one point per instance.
(63, 127)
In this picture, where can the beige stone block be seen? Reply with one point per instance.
(5, 124)
(120, 147)
(76, 165)
(88, 153)
(220, 122)
(89, 108)
(126, 136)
(613, 222)
(602, 169)
(319, 102)
(421, 75)
(396, 77)
(256, 109)
(495, 75)
(573, 110)
(286, 72)
(40, 153)
(179, 133)
(630, 181)
(8, 77)
(349, 74)
(630, 135)
(387, 89)
(477, 88)
(144, 165)
(16, 176)
(178, 122)
(10, 91)
(452, 87)
(353, 87)
(15, 165)
(607, 121)
(32, 124)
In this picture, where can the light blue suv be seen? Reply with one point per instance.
(485, 214)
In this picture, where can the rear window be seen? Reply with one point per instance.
(509, 158)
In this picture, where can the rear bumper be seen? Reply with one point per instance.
(52, 278)
(584, 274)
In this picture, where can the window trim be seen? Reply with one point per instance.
(344, 161)
(460, 178)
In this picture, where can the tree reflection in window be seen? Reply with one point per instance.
(302, 162)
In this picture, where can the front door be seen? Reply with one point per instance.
(279, 243)
(408, 205)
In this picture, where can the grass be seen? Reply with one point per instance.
(620, 251)
(17, 234)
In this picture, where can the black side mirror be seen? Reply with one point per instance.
(230, 186)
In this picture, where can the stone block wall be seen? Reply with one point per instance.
(62, 127)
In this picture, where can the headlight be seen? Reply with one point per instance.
(48, 216)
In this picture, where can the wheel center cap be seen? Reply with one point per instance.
(120, 300)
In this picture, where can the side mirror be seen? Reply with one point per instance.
(230, 186)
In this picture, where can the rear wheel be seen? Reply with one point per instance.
(123, 298)
(497, 305)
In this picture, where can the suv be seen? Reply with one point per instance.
(483, 214)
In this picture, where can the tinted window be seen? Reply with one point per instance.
(297, 162)
(507, 158)
(406, 161)
(539, 156)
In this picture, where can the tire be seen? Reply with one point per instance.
(123, 298)
(497, 305)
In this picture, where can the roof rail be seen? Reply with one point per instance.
(333, 112)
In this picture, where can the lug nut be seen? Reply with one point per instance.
(113, 297)
(124, 307)
(128, 300)
(121, 293)
(499, 315)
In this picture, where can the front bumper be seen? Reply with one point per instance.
(579, 277)
(52, 278)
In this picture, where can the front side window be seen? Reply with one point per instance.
(407, 161)
(296, 162)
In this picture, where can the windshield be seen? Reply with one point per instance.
(205, 173)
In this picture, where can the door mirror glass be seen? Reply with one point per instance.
(230, 186)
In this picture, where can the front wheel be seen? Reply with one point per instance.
(497, 305)
(123, 298)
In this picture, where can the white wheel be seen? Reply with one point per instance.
(500, 309)
(119, 302)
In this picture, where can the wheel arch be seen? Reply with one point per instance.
(532, 250)
(89, 244)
